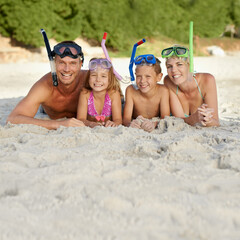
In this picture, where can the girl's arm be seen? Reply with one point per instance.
(128, 108)
(83, 109)
(116, 110)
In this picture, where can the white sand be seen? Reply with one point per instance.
(179, 182)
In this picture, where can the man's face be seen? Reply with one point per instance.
(67, 69)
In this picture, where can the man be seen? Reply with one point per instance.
(57, 101)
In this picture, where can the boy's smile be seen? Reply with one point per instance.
(146, 78)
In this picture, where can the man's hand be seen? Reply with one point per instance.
(71, 122)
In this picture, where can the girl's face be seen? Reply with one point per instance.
(177, 70)
(146, 78)
(98, 79)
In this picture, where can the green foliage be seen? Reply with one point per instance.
(126, 21)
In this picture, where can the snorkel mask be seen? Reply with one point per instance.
(103, 63)
(177, 51)
(183, 52)
(68, 49)
(147, 59)
(132, 60)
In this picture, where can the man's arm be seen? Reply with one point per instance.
(27, 108)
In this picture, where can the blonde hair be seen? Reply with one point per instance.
(113, 83)
(183, 59)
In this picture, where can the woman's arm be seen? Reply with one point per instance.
(175, 105)
(164, 104)
(210, 98)
(207, 113)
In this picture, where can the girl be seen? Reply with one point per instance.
(100, 100)
(192, 97)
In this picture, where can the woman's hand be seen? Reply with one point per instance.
(205, 115)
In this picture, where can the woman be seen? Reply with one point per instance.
(193, 97)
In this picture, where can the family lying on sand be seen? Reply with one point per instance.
(94, 98)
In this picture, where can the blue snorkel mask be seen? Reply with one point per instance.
(147, 59)
(132, 59)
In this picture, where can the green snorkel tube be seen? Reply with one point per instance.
(191, 68)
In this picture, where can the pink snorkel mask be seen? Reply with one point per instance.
(103, 63)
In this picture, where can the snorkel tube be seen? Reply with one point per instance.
(50, 57)
(107, 56)
(132, 58)
(191, 47)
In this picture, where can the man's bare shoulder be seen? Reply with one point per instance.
(43, 88)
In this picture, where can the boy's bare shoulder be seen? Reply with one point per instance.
(131, 90)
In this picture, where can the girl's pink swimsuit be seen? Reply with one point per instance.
(106, 111)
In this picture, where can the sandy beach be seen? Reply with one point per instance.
(178, 182)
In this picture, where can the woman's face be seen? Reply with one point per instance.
(177, 69)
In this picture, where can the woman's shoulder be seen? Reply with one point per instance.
(169, 84)
(205, 79)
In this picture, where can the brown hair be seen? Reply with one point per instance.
(113, 83)
(156, 66)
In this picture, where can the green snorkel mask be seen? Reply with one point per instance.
(178, 51)
(182, 51)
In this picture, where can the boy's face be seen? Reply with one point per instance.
(146, 78)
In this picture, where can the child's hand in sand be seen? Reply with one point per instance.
(136, 123)
(148, 125)
(205, 114)
(110, 124)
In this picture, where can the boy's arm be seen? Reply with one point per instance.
(128, 108)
